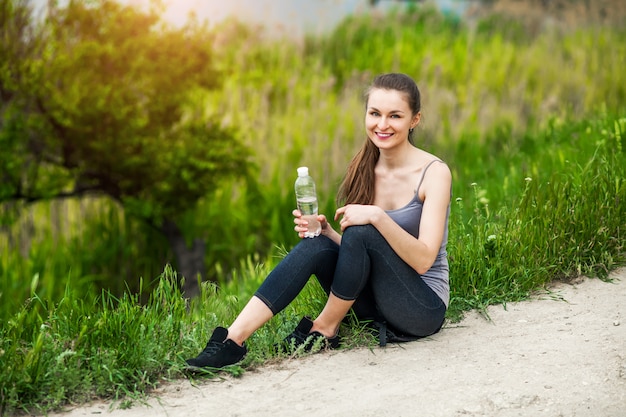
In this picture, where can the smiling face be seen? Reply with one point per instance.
(388, 118)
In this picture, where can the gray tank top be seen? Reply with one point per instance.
(409, 217)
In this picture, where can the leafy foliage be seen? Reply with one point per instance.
(109, 106)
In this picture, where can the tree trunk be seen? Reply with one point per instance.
(189, 260)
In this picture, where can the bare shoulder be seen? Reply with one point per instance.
(437, 181)
(438, 169)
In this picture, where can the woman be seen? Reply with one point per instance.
(389, 264)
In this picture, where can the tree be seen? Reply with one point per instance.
(103, 98)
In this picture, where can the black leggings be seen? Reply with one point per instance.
(364, 268)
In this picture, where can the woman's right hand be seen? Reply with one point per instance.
(302, 226)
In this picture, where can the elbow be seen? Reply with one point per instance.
(425, 258)
(422, 270)
(424, 266)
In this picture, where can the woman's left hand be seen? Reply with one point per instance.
(356, 214)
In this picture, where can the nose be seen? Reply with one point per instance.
(382, 123)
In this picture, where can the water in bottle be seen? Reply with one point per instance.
(306, 198)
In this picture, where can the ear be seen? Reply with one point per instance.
(416, 120)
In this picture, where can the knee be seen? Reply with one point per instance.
(360, 233)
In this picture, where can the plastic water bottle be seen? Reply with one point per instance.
(306, 197)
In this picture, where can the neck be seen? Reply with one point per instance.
(398, 157)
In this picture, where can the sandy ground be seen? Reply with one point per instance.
(563, 353)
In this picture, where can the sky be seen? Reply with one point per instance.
(295, 16)
(292, 17)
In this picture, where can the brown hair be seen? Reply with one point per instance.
(358, 184)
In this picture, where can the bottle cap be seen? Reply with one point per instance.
(303, 171)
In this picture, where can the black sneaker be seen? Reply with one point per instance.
(219, 352)
(303, 337)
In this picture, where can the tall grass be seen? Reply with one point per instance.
(52, 353)
(87, 244)
(484, 87)
(78, 349)
(483, 91)
(539, 188)
(562, 222)
(567, 218)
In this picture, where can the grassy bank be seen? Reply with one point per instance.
(536, 153)
(561, 222)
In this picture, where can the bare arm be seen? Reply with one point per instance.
(420, 253)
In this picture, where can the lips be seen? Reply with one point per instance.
(384, 135)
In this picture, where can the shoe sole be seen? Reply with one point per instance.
(198, 370)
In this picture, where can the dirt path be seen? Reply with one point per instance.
(561, 354)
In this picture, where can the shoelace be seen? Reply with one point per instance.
(299, 337)
(212, 347)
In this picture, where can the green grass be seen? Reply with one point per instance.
(561, 223)
(561, 216)
(118, 348)
(486, 90)
(88, 307)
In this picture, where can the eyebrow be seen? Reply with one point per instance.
(391, 112)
